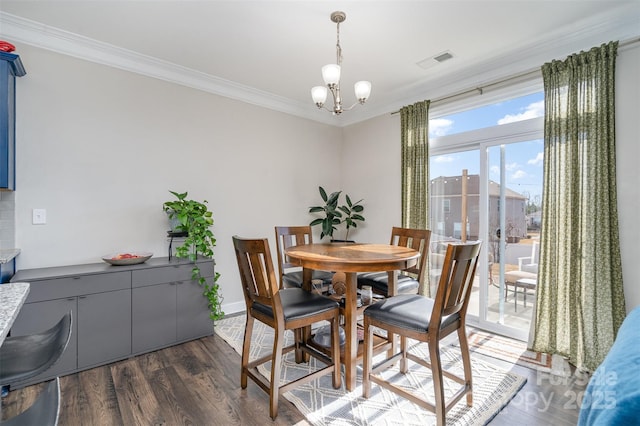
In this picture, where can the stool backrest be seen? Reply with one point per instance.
(417, 239)
(454, 288)
(257, 275)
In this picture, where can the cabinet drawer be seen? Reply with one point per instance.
(168, 274)
(79, 285)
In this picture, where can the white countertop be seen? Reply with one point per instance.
(12, 297)
(7, 255)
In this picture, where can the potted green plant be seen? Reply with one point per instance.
(195, 220)
(334, 214)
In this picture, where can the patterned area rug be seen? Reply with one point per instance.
(507, 349)
(323, 405)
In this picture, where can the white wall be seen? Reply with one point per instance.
(628, 159)
(99, 149)
(371, 169)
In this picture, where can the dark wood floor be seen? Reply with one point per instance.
(197, 383)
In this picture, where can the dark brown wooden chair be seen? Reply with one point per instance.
(290, 273)
(286, 309)
(426, 320)
(409, 279)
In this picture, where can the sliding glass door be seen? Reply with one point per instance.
(487, 184)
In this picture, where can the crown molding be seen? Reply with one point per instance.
(67, 43)
(618, 23)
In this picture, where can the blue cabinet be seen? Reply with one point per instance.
(10, 68)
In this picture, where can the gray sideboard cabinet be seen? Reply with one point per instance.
(168, 307)
(118, 311)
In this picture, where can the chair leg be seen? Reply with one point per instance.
(404, 362)
(335, 351)
(276, 367)
(436, 372)
(246, 349)
(368, 359)
(466, 362)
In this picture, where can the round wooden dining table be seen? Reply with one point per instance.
(351, 258)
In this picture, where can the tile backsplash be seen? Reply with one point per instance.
(7, 219)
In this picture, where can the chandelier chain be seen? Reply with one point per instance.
(338, 48)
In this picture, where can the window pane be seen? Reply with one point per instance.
(509, 111)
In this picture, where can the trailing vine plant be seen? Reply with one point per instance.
(195, 219)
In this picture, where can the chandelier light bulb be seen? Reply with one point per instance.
(331, 74)
(363, 90)
(319, 95)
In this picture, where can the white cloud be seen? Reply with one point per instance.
(495, 170)
(538, 160)
(440, 126)
(511, 166)
(533, 110)
(519, 174)
(444, 159)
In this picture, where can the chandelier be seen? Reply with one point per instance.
(331, 77)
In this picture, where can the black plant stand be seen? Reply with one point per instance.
(172, 235)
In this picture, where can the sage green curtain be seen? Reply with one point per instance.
(580, 303)
(415, 169)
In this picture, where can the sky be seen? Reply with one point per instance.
(523, 160)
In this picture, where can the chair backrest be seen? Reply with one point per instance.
(24, 357)
(535, 251)
(454, 288)
(289, 236)
(417, 239)
(256, 271)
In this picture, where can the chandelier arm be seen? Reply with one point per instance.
(352, 106)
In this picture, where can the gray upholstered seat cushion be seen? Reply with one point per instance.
(379, 281)
(294, 279)
(298, 303)
(409, 311)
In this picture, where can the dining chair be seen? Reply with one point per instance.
(426, 320)
(408, 279)
(45, 411)
(24, 357)
(281, 309)
(290, 273)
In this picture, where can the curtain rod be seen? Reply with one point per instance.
(529, 73)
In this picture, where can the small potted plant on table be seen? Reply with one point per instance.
(334, 215)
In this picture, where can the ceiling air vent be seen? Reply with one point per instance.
(445, 56)
(435, 60)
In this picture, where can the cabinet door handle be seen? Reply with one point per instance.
(76, 278)
(71, 298)
(82, 297)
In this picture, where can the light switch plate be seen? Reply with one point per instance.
(39, 216)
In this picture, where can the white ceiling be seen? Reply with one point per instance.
(270, 52)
